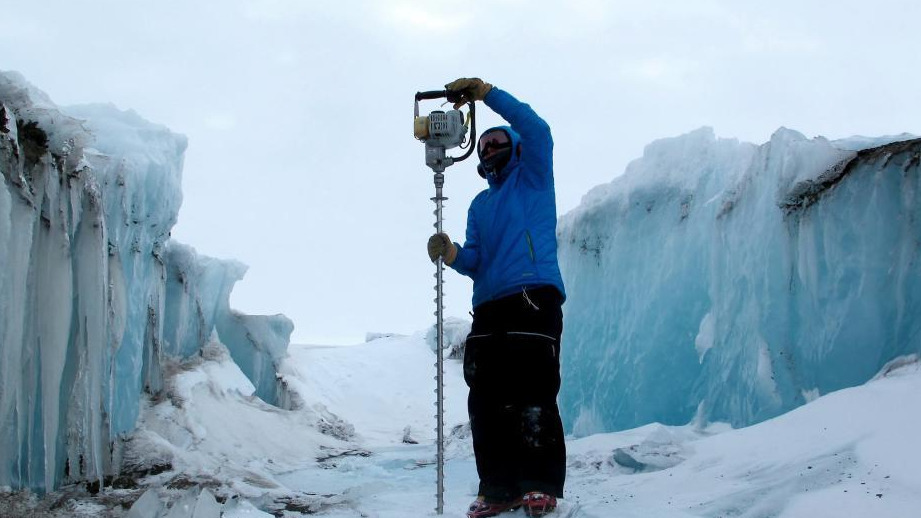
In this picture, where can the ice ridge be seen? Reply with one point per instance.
(94, 295)
(726, 281)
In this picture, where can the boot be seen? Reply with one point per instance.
(480, 508)
(538, 504)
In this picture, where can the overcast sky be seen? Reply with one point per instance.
(301, 161)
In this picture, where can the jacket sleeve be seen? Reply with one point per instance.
(537, 143)
(468, 256)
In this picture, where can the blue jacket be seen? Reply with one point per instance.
(511, 226)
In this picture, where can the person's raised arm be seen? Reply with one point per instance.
(537, 142)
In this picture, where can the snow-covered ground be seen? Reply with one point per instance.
(345, 449)
(851, 453)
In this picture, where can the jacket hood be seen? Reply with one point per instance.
(495, 181)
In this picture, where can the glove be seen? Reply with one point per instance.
(440, 245)
(473, 88)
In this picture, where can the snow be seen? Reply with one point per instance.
(830, 457)
(704, 340)
(327, 378)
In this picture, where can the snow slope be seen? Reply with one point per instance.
(341, 452)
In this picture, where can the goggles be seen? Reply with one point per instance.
(493, 142)
(494, 149)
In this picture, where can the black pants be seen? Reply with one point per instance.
(512, 366)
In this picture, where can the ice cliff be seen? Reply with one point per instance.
(94, 297)
(720, 280)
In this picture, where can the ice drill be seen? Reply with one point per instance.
(440, 131)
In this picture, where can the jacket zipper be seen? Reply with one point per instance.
(527, 236)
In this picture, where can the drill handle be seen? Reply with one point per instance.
(453, 96)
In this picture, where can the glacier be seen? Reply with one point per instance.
(717, 280)
(95, 297)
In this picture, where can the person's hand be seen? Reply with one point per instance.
(473, 88)
(440, 245)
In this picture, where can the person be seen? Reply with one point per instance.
(512, 354)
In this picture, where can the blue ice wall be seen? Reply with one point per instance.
(726, 281)
(94, 297)
(198, 306)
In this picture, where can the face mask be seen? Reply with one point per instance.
(495, 150)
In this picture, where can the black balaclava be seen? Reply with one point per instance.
(498, 146)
